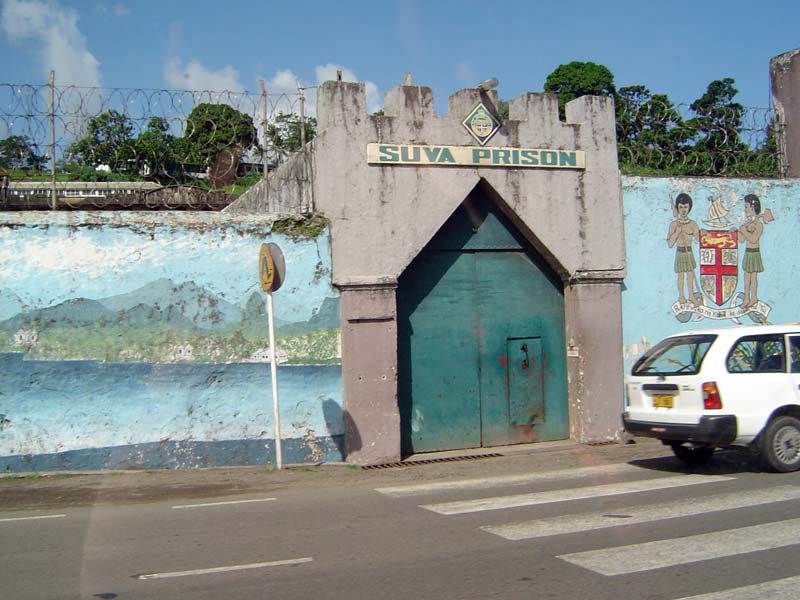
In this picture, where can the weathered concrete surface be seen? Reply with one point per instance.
(784, 71)
(369, 374)
(575, 215)
(288, 189)
(139, 340)
(594, 330)
(383, 216)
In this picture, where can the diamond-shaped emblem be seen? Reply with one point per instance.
(481, 124)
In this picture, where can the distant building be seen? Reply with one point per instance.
(26, 337)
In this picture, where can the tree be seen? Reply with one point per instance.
(156, 148)
(107, 142)
(577, 79)
(212, 128)
(284, 134)
(16, 152)
(650, 130)
(718, 117)
(715, 128)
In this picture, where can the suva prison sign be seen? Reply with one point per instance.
(469, 156)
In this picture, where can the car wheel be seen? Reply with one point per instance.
(692, 454)
(780, 444)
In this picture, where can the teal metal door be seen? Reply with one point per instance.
(481, 339)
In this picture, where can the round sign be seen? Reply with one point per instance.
(271, 267)
(279, 265)
(266, 268)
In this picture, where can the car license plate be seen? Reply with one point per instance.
(662, 401)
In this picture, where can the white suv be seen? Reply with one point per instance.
(736, 386)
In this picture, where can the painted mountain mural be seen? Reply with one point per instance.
(167, 322)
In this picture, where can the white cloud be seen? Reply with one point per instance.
(51, 33)
(197, 77)
(117, 9)
(282, 94)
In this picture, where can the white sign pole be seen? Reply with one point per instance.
(274, 374)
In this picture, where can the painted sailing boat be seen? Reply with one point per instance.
(717, 214)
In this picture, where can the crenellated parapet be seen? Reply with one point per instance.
(387, 183)
(400, 175)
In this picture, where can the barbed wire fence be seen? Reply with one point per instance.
(178, 149)
(676, 140)
(216, 143)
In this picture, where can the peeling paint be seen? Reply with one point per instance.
(144, 334)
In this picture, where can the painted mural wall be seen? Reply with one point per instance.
(140, 340)
(706, 253)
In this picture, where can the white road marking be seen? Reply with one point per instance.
(643, 514)
(32, 518)
(274, 563)
(224, 503)
(667, 553)
(780, 589)
(489, 482)
(597, 491)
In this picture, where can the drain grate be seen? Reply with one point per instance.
(430, 461)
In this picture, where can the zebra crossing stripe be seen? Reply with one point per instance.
(641, 514)
(780, 589)
(668, 553)
(597, 491)
(508, 480)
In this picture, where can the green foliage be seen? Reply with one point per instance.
(654, 139)
(75, 172)
(649, 129)
(502, 110)
(301, 227)
(16, 152)
(718, 117)
(156, 148)
(212, 128)
(284, 134)
(577, 79)
(107, 142)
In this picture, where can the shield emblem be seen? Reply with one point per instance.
(719, 260)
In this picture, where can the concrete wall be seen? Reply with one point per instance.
(382, 217)
(139, 340)
(650, 301)
(784, 71)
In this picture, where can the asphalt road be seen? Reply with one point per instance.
(559, 521)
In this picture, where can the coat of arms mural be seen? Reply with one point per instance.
(712, 290)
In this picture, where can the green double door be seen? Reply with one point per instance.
(481, 349)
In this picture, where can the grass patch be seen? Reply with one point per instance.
(307, 227)
(26, 476)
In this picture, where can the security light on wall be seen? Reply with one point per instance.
(488, 84)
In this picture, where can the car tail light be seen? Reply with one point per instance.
(711, 397)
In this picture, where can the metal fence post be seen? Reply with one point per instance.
(302, 109)
(53, 192)
(265, 142)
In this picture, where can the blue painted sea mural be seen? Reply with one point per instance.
(140, 341)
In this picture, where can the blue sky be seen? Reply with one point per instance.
(675, 47)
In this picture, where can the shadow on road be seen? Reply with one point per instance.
(724, 462)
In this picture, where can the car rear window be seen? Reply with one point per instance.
(681, 355)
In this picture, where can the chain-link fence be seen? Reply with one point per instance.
(168, 149)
